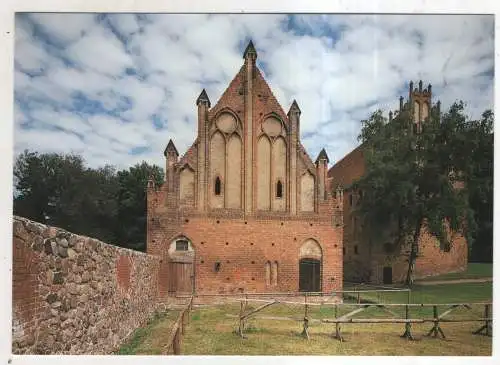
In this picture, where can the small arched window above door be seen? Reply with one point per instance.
(279, 189)
(217, 187)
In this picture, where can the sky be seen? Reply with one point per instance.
(115, 88)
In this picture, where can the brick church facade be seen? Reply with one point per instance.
(364, 262)
(245, 209)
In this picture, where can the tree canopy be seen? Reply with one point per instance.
(59, 190)
(422, 177)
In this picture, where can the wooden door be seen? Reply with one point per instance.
(310, 275)
(181, 277)
(387, 275)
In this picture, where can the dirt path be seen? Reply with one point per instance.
(456, 281)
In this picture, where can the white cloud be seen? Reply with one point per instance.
(342, 68)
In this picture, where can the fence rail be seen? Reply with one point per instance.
(178, 329)
(407, 320)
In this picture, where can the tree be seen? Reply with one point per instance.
(59, 190)
(46, 185)
(132, 203)
(480, 185)
(413, 179)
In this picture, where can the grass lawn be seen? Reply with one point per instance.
(443, 293)
(211, 330)
(151, 339)
(474, 271)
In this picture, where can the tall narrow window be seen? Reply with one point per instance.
(274, 274)
(268, 273)
(279, 189)
(217, 185)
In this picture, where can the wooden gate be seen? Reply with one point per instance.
(181, 277)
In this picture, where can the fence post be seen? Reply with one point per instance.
(176, 344)
(407, 334)
(337, 335)
(436, 328)
(486, 317)
(487, 322)
(305, 331)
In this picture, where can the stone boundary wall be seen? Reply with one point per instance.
(77, 295)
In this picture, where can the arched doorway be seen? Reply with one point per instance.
(310, 262)
(181, 266)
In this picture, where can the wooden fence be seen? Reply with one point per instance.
(356, 294)
(407, 320)
(178, 329)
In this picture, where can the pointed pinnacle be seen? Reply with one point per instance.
(170, 148)
(250, 50)
(203, 98)
(294, 107)
(323, 156)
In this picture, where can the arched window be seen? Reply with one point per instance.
(279, 189)
(217, 186)
(181, 245)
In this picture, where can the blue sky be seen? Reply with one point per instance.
(115, 88)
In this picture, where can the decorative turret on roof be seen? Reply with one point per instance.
(322, 156)
(203, 98)
(171, 149)
(294, 107)
(250, 51)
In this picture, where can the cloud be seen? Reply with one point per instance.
(117, 87)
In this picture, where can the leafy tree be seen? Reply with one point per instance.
(59, 190)
(132, 205)
(414, 179)
(46, 185)
(480, 185)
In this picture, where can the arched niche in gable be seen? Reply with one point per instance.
(217, 168)
(234, 163)
(186, 185)
(264, 173)
(307, 192)
(227, 122)
(273, 126)
(279, 158)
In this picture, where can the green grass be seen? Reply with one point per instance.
(211, 330)
(214, 334)
(474, 271)
(442, 293)
(151, 339)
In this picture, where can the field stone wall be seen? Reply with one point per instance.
(76, 295)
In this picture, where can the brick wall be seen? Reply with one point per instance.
(244, 246)
(76, 295)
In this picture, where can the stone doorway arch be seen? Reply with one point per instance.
(310, 266)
